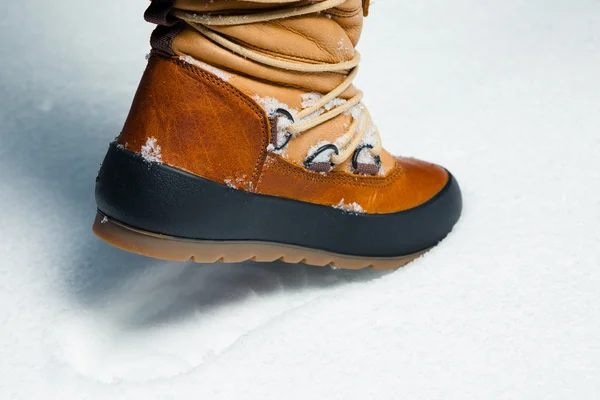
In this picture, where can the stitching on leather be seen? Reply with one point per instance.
(265, 125)
(265, 164)
(283, 166)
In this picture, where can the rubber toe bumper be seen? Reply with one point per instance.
(163, 200)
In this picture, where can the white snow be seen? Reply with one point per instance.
(505, 94)
(370, 138)
(236, 182)
(229, 182)
(334, 103)
(365, 157)
(324, 156)
(357, 113)
(271, 104)
(353, 207)
(309, 99)
(207, 67)
(342, 140)
(151, 151)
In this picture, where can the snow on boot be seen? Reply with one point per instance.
(247, 140)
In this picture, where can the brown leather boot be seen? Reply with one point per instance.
(247, 140)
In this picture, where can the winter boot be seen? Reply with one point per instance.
(247, 140)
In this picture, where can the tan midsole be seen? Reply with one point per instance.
(201, 251)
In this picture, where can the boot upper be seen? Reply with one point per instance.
(223, 116)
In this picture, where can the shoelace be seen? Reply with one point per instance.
(351, 142)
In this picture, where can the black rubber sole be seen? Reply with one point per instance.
(163, 200)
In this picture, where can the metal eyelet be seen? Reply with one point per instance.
(308, 161)
(288, 136)
(357, 153)
(377, 161)
(285, 113)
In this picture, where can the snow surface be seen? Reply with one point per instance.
(506, 94)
